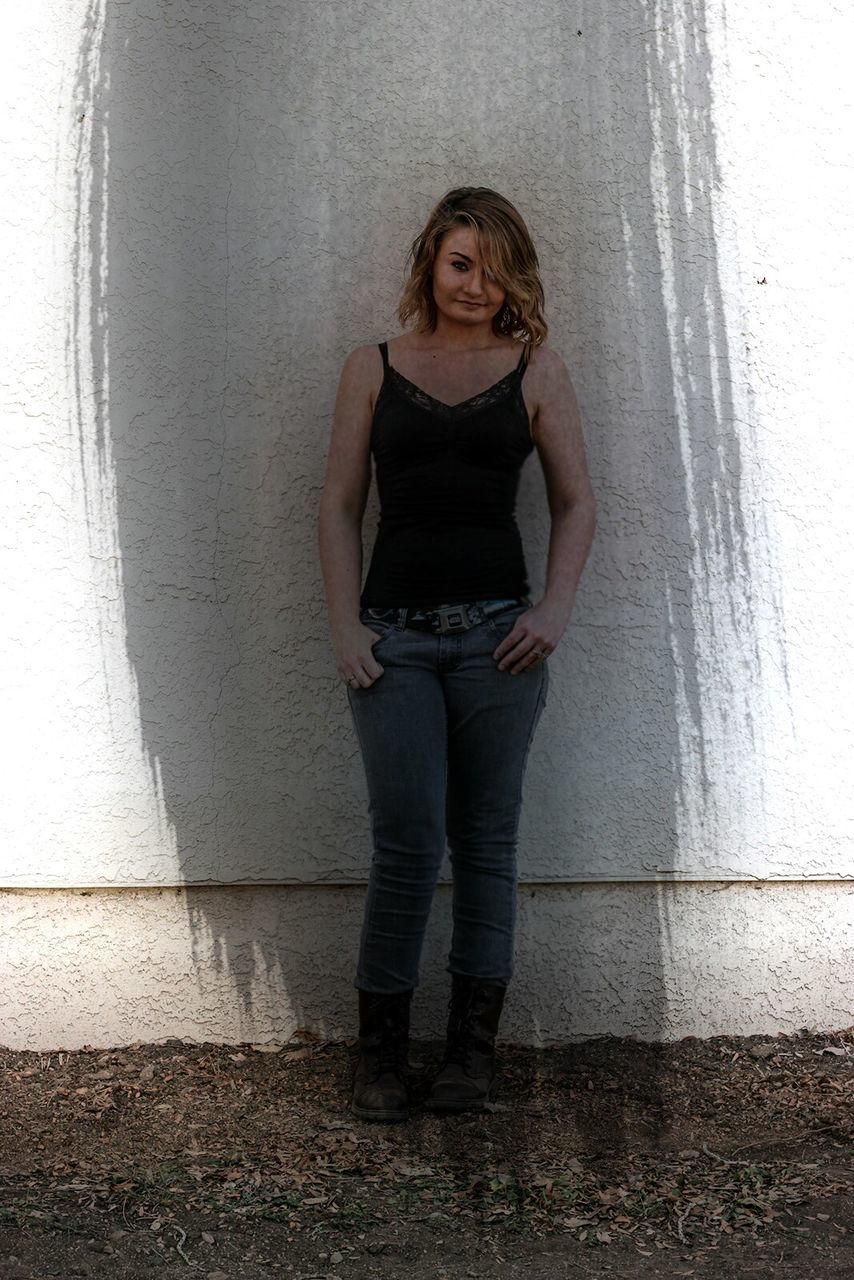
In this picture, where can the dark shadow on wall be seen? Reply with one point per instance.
(213, 423)
(205, 426)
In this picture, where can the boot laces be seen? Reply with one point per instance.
(462, 1038)
(391, 1053)
(391, 1049)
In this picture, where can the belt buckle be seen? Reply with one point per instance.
(452, 618)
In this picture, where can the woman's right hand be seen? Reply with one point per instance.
(354, 655)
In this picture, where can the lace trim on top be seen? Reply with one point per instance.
(482, 400)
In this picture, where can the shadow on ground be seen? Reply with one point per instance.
(726, 1157)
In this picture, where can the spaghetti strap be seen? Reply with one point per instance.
(523, 359)
(383, 346)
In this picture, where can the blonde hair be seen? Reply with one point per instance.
(507, 252)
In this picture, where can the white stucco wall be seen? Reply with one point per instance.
(259, 964)
(205, 207)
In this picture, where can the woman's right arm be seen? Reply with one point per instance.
(342, 506)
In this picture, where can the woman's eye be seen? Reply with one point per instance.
(460, 264)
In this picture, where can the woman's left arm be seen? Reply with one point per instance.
(560, 444)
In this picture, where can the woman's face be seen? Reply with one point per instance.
(461, 288)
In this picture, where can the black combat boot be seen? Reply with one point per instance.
(379, 1088)
(468, 1067)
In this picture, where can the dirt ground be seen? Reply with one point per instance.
(728, 1157)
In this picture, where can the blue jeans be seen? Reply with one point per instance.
(445, 738)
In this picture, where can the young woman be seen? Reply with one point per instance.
(442, 650)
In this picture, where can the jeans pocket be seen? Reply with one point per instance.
(501, 624)
(382, 626)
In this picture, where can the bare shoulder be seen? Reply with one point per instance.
(548, 391)
(362, 363)
(548, 371)
(362, 373)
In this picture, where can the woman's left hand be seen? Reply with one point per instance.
(534, 635)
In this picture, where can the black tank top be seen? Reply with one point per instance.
(447, 477)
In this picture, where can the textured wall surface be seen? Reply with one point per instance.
(206, 206)
(258, 964)
(211, 206)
